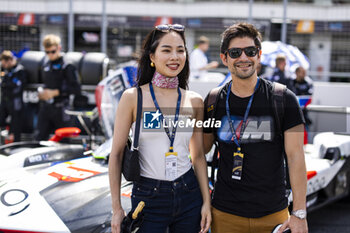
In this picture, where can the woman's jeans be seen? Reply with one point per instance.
(173, 205)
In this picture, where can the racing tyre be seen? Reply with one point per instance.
(74, 58)
(93, 68)
(32, 62)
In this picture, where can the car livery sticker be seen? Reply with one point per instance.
(126, 190)
(73, 174)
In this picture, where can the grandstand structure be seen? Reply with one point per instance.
(319, 28)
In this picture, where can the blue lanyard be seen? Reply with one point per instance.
(172, 135)
(238, 141)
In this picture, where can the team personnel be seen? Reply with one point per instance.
(302, 84)
(60, 80)
(250, 191)
(199, 64)
(12, 82)
(279, 71)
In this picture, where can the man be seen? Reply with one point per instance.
(60, 80)
(199, 64)
(279, 71)
(12, 81)
(249, 194)
(302, 84)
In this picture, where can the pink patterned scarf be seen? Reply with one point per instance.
(164, 82)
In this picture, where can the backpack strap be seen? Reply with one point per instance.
(278, 91)
(212, 99)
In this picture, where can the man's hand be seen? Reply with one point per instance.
(295, 224)
(213, 65)
(47, 94)
(117, 219)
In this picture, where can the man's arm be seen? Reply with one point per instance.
(73, 80)
(23, 76)
(210, 65)
(293, 143)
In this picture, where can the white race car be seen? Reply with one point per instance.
(328, 169)
(71, 196)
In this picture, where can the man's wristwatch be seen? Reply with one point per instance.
(301, 214)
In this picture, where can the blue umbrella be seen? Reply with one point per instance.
(295, 58)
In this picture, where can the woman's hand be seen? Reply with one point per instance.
(117, 219)
(206, 217)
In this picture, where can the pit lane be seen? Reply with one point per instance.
(334, 218)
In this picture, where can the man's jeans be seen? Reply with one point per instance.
(173, 205)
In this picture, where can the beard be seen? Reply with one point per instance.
(243, 74)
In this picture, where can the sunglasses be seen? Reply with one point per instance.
(250, 51)
(167, 28)
(52, 52)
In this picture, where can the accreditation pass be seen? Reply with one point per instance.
(171, 165)
(237, 165)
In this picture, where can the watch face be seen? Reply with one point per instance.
(300, 214)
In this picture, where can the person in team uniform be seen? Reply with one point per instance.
(279, 73)
(302, 84)
(13, 79)
(60, 80)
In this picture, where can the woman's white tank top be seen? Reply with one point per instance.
(153, 144)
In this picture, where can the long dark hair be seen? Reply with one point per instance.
(145, 72)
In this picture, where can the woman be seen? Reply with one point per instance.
(173, 198)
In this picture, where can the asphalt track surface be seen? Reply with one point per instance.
(334, 218)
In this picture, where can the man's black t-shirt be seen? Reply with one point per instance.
(261, 190)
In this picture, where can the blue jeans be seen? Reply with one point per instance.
(173, 205)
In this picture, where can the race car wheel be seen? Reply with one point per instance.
(32, 62)
(341, 183)
(348, 186)
(74, 58)
(92, 68)
(339, 187)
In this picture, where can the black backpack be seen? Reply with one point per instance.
(278, 92)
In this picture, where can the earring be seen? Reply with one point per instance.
(152, 64)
